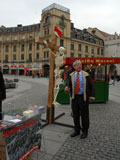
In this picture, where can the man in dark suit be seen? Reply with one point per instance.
(2, 92)
(82, 92)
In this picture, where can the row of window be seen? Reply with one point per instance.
(22, 47)
(86, 49)
(22, 37)
(22, 57)
(99, 51)
(86, 38)
(47, 20)
(79, 55)
(46, 55)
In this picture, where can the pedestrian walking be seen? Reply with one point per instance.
(82, 92)
(2, 92)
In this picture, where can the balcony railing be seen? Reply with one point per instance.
(29, 60)
(46, 24)
(5, 61)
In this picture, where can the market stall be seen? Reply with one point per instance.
(99, 69)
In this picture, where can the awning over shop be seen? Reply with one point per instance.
(35, 69)
(14, 67)
(21, 67)
(5, 67)
(28, 68)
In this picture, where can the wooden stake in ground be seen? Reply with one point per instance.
(54, 48)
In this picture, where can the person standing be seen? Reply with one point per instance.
(82, 92)
(2, 92)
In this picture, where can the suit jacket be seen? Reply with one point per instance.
(88, 88)
(68, 75)
(2, 87)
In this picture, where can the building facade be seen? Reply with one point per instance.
(111, 47)
(19, 54)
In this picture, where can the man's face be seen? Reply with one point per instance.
(78, 67)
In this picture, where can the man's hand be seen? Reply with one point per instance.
(91, 99)
(66, 89)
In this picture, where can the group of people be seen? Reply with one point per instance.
(2, 92)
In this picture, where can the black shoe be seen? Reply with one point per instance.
(75, 133)
(84, 135)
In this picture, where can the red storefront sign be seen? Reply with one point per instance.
(102, 60)
(21, 66)
(13, 66)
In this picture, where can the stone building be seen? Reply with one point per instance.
(19, 54)
(112, 49)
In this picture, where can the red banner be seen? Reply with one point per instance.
(102, 60)
(18, 128)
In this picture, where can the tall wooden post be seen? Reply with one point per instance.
(54, 48)
(50, 109)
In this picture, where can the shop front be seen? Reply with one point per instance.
(36, 70)
(28, 70)
(21, 69)
(5, 69)
(14, 70)
(46, 70)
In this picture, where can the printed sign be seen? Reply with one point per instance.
(22, 138)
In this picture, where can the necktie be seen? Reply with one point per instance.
(77, 84)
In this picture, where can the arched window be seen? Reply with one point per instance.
(47, 19)
(61, 20)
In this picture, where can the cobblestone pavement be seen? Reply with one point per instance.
(103, 142)
(28, 91)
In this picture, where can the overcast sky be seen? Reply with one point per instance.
(103, 14)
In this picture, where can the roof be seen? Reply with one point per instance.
(104, 33)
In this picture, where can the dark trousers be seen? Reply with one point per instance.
(80, 110)
(0, 110)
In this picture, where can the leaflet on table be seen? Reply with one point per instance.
(38, 109)
(15, 120)
(5, 124)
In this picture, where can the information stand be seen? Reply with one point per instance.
(3, 148)
(19, 137)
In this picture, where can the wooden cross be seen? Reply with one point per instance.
(54, 48)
